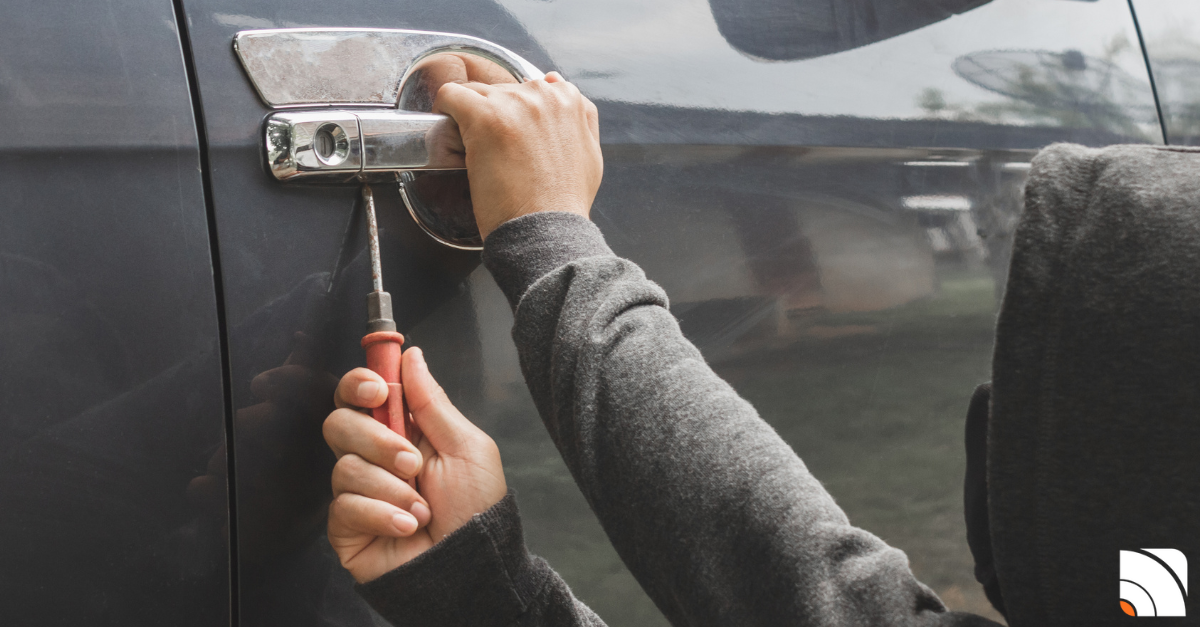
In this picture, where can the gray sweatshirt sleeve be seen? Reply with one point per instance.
(480, 575)
(711, 510)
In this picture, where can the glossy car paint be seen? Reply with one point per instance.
(110, 377)
(1171, 31)
(832, 231)
(278, 245)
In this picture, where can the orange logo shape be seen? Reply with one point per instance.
(1154, 582)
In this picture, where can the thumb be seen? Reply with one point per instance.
(446, 429)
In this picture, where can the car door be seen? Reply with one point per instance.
(1170, 31)
(828, 202)
(111, 398)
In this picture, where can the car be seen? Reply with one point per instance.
(826, 191)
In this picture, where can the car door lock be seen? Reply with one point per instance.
(351, 105)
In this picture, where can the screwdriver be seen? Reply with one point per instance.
(382, 343)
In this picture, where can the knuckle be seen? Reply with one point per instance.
(329, 428)
(353, 373)
(348, 467)
(495, 118)
(386, 442)
(336, 424)
(339, 507)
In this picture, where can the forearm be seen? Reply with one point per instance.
(712, 512)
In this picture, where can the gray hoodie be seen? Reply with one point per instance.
(1088, 448)
(713, 513)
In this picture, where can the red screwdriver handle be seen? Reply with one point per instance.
(383, 357)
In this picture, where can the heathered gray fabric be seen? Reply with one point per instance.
(1095, 422)
(712, 512)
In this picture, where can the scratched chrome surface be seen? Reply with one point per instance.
(332, 66)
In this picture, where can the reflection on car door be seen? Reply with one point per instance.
(110, 372)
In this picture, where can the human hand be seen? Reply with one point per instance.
(377, 520)
(443, 140)
(530, 147)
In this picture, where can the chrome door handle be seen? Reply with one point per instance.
(344, 145)
(343, 95)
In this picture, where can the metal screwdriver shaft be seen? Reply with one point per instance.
(382, 343)
(379, 302)
(373, 239)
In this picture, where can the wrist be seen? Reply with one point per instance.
(481, 574)
(490, 220)
(524, 249)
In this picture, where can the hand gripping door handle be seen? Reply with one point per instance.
(339, 95)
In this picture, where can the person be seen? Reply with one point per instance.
(1070, 461)
(715, 515)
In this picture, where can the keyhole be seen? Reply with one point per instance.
(330, 144)
(325, 143)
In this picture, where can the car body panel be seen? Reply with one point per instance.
(832, 232)
(110, 371)
(279, 243)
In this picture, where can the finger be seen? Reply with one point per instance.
(483, 88)
(554, 77)
(440, 69)
(427, 451)
(349, 513)
(460, 101)
(483, 70)
(360, 388)
(439, 421)
(348, 431)
(356, 475)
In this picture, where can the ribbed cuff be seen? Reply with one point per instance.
(527, 248)
(474, 576)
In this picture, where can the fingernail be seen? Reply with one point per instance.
(421, 513)
(404, 523)
(407, 463)
(368, 390)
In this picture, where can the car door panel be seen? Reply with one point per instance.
(279, 245)
(832, 231)
(111, 394)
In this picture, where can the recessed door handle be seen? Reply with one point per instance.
(344, 100)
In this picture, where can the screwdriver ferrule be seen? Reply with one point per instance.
(379, 312)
